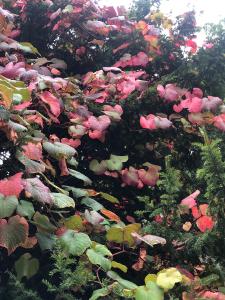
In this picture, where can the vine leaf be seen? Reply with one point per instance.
(62, 201)
(38, 190)
(97, 254)
(26, 266)
(75, 243)
(13, 233)
(7, 205)
(12, 185)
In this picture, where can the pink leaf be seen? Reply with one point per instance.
(219, 122)
(190, 200)
(52, 101)
(33, 151)
(12, 185)
(38, 190)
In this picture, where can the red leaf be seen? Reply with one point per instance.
(12, 185)
(205, 223)
(139, 265)
(195, 212)
(52, 101)
(192, 44)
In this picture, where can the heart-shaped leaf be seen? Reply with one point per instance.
(123, 234)
(26, 266)
(13, 233)
(75, 243)
(115, 163)
(167, 278)
(98, 168)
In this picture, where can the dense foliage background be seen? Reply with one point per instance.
(112, 155)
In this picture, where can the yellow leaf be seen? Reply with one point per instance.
(117, 265)
(74, 223)
(110, 198)
(29, 47)
(187, 226)
(127, 233)
(167, 278)
(150, 277)
(123, 234)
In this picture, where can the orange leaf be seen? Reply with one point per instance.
(110, 215)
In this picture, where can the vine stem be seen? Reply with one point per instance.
(53, 185)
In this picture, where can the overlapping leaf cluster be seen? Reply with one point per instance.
(97, 153)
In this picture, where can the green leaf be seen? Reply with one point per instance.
(7, 205)
(11, 89)
(75, 243)
(149, 292)
(115, 163)
(25, 209)
(98, 168)
(59, 150)
(92, 203)
(78, 175)
(119, 266)
(109, 198)
(68, 9)
(43, 224)
(125, 283)
(62, 201)
(46, 240)
(97, 254)
(17, 127)
(26, 266)
(100, 293)
(77, 193)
